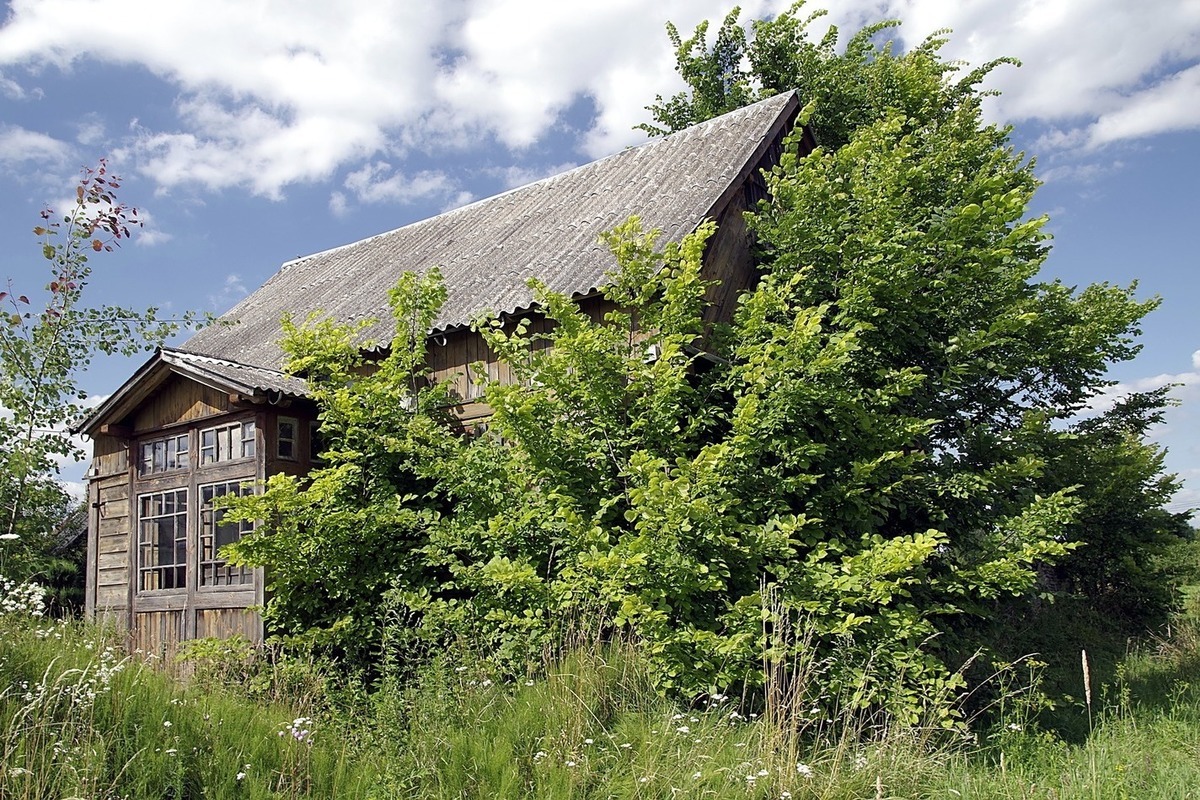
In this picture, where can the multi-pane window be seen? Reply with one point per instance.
(285, 441)
(162, 540)
(215, 533)
(164, 455)
(227, 443)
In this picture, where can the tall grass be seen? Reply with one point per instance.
(79, 719)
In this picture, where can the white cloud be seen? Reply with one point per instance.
(520, 176)
(338, 205)
(271, 93)
(459, 200)
(377, 182)
(1172, 104)
(1186, 391)
(149, 234)
(91, 130)
(10, 88)
(1081, 172)
(20, 145)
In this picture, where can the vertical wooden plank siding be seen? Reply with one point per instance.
(180, 400)
(728, 260)
(158, 633)
(225, 623)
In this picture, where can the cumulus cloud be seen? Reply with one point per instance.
(90, 130)
(513, 177)
(18, 145)
(272, 93)
(10, 88)
(1186, 387)
(378, 182)
(150, 235)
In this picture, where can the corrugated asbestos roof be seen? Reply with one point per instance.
(488, 250)
(225, 376)
(230, 374)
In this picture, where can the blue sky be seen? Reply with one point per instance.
(250, 132)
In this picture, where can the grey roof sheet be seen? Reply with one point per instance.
(243, 377)
(488, 250)
(216, 372)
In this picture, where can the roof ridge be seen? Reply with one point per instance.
(719, 121)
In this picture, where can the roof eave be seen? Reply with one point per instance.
(151, 375)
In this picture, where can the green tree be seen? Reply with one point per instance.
(911, 218)
(872, 455)
(44, 349)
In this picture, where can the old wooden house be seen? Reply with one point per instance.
(217, 415)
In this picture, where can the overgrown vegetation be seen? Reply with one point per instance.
(757, 559)
(78, 719)
(864, 469)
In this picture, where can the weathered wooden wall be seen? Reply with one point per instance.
(179, 400)
(158, 633)
(110, 531)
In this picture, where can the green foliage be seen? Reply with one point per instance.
(344, 534)
(42, 354)
(908, 229)
(78, 720)
(875, 451)
(1134, 555)
(848, 87)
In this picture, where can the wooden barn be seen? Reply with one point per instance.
(217, 415)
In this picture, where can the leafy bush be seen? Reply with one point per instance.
(876, 448)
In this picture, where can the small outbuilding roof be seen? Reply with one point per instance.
(216, 373)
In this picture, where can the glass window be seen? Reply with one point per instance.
(162, 540)
(285, 440)
(164, 455)
(215, 533)
(227, 443)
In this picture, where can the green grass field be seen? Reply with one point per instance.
(80, 720)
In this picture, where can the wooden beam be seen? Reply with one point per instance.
(119, 431)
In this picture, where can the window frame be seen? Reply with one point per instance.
(177, 569)
(293, 440)
(247, 445)
(181, 464)
(163, 586)
(205, 511)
